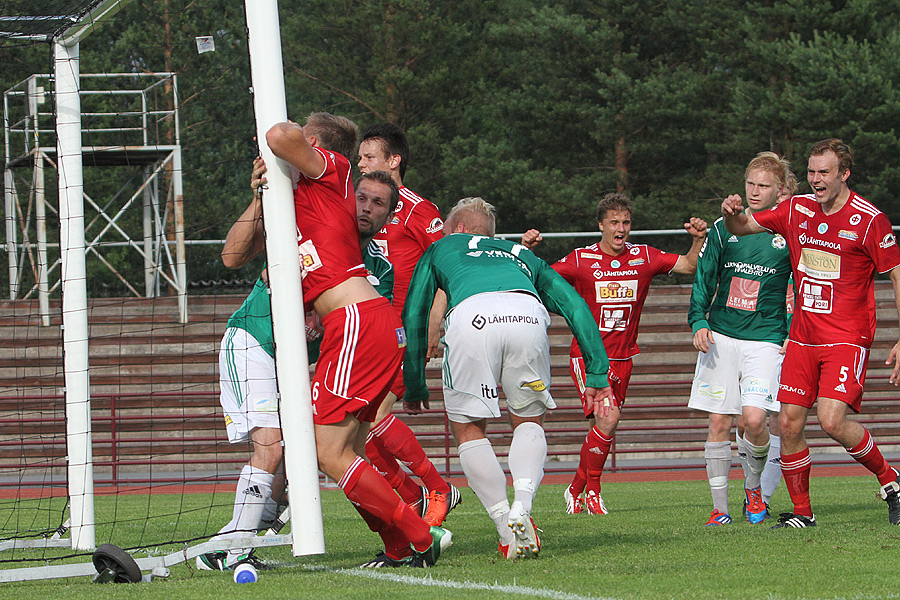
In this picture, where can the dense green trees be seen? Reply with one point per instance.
(538, 106)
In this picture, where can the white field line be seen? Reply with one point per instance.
(429, 581)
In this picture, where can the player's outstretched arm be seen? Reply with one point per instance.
(736, 220)
(245, 240)
(288, 142)
(531, 238)
(894, 355)
(687, 263)
(601, 399)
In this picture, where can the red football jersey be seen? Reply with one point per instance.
(615, 288)
(416, 224)
(834, 258)
(327, 232)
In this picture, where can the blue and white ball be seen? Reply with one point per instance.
(245, 573)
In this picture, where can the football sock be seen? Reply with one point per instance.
(401, 442)
(756, 462)
(718, 464)
(742, 454)
(527, 453)
(254, 491)
(396, 545)
(390, 469)
(598, 450)
(488, 481)
(868, 455)
(578, 482)
(795, 468)
(369, 491)
(771, 475)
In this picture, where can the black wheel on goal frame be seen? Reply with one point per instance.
(114, 564)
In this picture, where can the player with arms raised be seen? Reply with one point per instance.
(613, 276)
(837, 242)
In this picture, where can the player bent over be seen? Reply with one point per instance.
(247, 375)
(496, 333)
(613, 276)
(837, 241)
(363, 340)
(739, 319)
(416, 224)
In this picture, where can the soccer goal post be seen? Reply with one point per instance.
(301, 468)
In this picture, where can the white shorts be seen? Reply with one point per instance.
(737, 373)
(491, 338)
(247, 388)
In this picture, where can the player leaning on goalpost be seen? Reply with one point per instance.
(837, 241)
(247, 365)
(363, 341)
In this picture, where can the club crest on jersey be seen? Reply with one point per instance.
(823, 227)
(804, 210)
(888, 241)
(400, 206)
(435, 225)
(635, 251)
(615, 264)
(778, 242)
(848, 235)
(855, 219)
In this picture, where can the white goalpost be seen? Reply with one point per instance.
(84, 526)
(301, 468)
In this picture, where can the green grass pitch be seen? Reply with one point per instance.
(652, 545)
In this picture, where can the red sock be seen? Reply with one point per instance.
(390, 469)
(795, 469)
(597, 450)
(401, 442)
(396, 545)
(868, 455)
(370, 492)
(580, 479)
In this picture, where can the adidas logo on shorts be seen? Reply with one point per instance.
(840, 388)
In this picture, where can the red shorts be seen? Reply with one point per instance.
(619, 375)
(361, 353)
(397, 388)
(837, 371)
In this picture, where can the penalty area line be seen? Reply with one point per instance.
(429, 581)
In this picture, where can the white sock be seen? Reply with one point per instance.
(254, 490)
(718, 464)
(488, 481)
(756, 462)
(771, 475)
(743, 452)
(527, 454)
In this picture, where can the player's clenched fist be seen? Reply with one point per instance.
(732, 205)
(696, 227)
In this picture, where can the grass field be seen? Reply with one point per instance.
(652, 545)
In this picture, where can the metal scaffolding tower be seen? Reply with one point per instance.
(130, 121)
